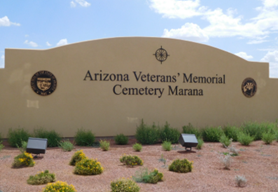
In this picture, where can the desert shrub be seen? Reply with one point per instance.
(131, 160)
(121, 139)
(104, 145)
(53, 138)
(16, 136)
(212, 134)
(77, 156)
(244, 139)
(137, 147)
(200, 143)
(66, 145)
(240, 180)
(84, 138)
(225, 140)
(42, 178)
(276, 135)
(169, 134)
(88, 167)
(167, 146)
(269, 128)
(124, 185)
(256, 130)
(143, 175)
(1, 145)
(23, 147)
(147, 134)
(233, 150)
(252, 129)
(268, 138)
(181, 166)
(59, 186)
(231, 132)
(23, 160)
(189, 129)
(226, 160)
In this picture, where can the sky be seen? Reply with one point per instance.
(246, 28)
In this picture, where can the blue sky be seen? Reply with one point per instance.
(247, 28)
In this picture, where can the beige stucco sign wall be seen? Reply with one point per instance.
(109, 85)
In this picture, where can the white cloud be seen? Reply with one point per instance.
(270, 3)
(227, 25)
(48, 44)
(220, 23)
(62, 42)
(72, 4)
(177, 8)
(82, 3)
(2, 62)
(272, 58)
(256, 41)
(188, 31)
(31, 43)
(244, 55)
(4, 21)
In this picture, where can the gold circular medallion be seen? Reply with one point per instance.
(249, 87)
(43, 83)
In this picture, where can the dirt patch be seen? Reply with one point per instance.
(257, 162)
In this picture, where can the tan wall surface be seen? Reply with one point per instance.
(93, 105)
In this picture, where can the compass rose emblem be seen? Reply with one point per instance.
(161, 54)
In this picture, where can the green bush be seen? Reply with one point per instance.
(66, 145)
(244, 139)
(167, 146)
(77, 156)
(59, 186)
(1, 145)
(200, 144)
(104, 145)
(124, 185)
(131, 160)
(268, 138)
(88, 167)
(226, 141)
(144, 176)
(212, 134)
(137, 147)
(121, 139)
(23, 147)
(84, 138)
(181, 166)
(53, 138)
(189, 129)
(276, 136)
(23, 160)
(147, 134)
(169, 134)
(256, 130)
(231, 132)
(16, 136)
(42, 178)
(252, 129)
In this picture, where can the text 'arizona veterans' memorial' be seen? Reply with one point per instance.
(109, 85)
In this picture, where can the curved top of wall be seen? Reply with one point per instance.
(119, 40)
